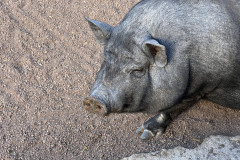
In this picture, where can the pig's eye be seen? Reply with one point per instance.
(138, 72)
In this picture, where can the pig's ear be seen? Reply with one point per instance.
(158, 51)
(101, 30)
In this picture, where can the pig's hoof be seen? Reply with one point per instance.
(140, 130)
(147, 134)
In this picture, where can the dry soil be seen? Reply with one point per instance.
(48, 62)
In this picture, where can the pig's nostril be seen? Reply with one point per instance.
(99, 107)
(87, 104)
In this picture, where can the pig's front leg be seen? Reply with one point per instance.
(155, 125)
(158, 123)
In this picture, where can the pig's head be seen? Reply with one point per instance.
(134, 74)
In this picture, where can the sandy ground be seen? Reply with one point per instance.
(48, 62)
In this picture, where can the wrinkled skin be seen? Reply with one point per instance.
(166, 55)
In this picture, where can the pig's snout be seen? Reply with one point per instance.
(93, 105)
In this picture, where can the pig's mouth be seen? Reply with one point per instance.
(126, 106)
(132, 108)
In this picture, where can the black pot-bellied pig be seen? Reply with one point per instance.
(164, 56)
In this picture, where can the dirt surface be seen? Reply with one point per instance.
(48, 62)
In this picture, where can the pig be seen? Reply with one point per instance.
(164, 56)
